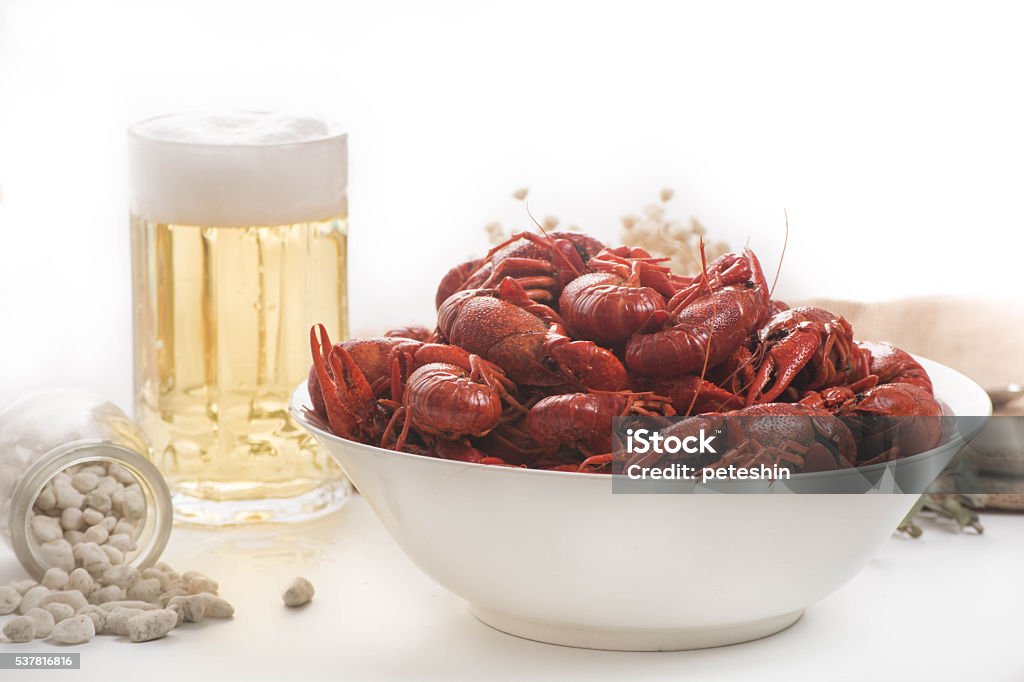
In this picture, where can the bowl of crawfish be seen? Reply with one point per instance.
(551, 553)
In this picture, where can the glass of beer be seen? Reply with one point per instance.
(239, 227)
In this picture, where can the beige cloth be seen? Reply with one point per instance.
(982, 339)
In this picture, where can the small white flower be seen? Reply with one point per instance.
(495, 232)
(675, 239)
(654, 211)
(550, 222)
(678, 233)
(520, 194)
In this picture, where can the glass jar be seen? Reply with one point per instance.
(60, 431)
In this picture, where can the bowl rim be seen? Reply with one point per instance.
(299, 407)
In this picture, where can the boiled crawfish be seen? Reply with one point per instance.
(546, 339)
(806, 347)
(626, 294)
(523, 337)
(341, 393)
(792, 436)
(542, 265)
(895, 365)
(455, 279)
(707, 322)
(893, 421)
(583, 421)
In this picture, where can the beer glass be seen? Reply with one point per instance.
(239, 227)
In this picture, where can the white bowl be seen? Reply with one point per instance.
(556, 557)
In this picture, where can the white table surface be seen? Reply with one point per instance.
(945, 606)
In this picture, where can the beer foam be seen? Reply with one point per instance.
(237, 169)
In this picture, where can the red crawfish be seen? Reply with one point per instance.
(410, 356)
(892, 421)
(462, 451)
(447, 401)
(584, 363)
(586, 246)
(339, 389)
(411, 331)
(895, 365)
(626, 294)
(525, 338)
(449, 394)
(455, 279)
(525, 255)
(708, 320)
(793, 436)
(584, 420)
(692, 395)
(804, 438)
(446, 394)
(511, 443)
(372, 355)
(808, 348)
(541, 264)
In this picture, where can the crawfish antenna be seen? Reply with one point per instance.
(707, 347)
(711, 328)
(704, 263)
(552, 244)
(678, 245)
(532, 218)
(785, 243)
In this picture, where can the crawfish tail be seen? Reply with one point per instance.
(444, 401)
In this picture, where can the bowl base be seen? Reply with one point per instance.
(633, 639)
(198, 511)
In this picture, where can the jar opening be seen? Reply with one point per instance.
(138, 500)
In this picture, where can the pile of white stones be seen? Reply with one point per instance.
(85, 522)
(87, 516)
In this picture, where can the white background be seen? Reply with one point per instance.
(890, 131)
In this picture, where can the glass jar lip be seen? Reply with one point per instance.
(83, 452)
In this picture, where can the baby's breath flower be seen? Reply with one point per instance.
(677, 232)
(679, 241)
(654, 211)
(663, 237)
(495, 232)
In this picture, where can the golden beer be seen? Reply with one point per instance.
(234, 258)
